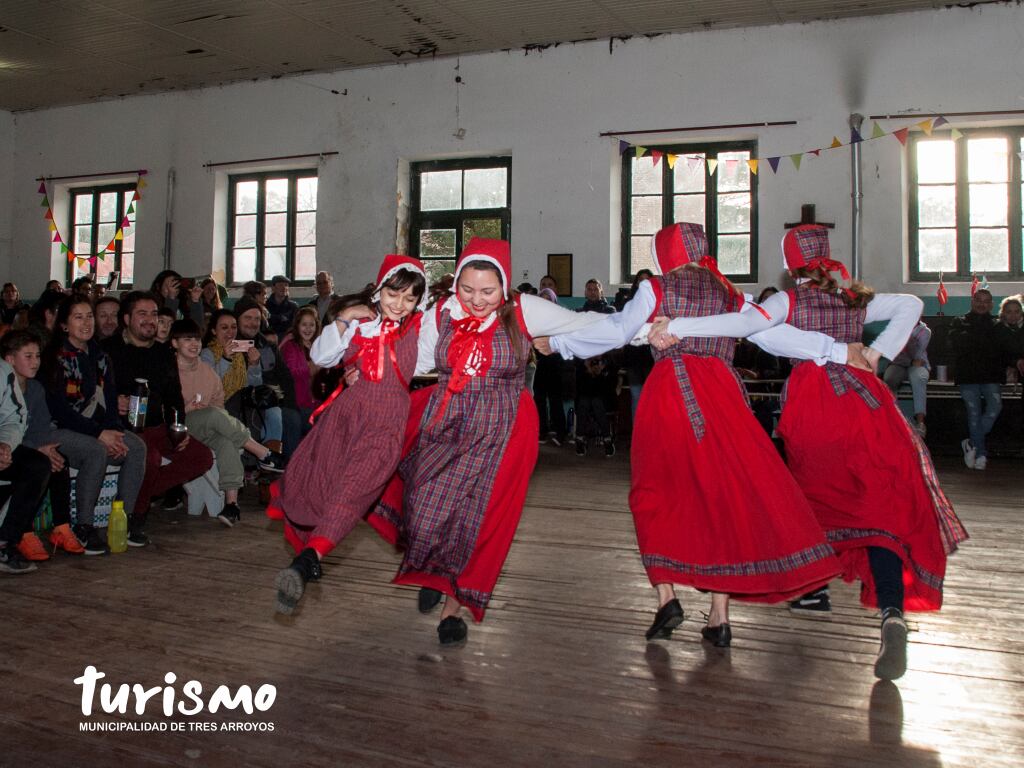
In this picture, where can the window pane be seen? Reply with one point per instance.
(129, 240)
(305, 228)
(245, 231)
(990, 250)
(438, 268)
(275, 229)
(83, 244)
(646, 215)
(986, 160)
(936, 162)
(104, 267)
(440, 190)
(273, 262)
(688, 175)
(989, 205)
(108, 206)
(127, 268)
(306, 194)
(733, 171)
(936, 250)
(640, 254)
(936, 206)
(646, 176)
(734, 212)
(689, 208)
(734, 254)
(245, 196)
(305, 263)
(277, 195)
(244, 264)
(104, 234)
(435, 243)
(481, 228)
(83, 209)
(485, 188)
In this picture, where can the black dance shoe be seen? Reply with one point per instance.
(452, 631)
(668, 617)
(291, 581)
(428, 600)
(720, 636)
(892, 653)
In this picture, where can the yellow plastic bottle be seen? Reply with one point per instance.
(117, 528)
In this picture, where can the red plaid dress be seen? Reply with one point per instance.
(866, 473)
(341, 467)
(713, 504)
(456, 501)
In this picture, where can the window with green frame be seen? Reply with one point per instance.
(655, 194)
(452, 201)
(96, 214)
(272, 226)
(965, 205)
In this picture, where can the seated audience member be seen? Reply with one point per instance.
(325, 295)
(106, 311)
(83, 286)
(208, 422)
(912, 363)
(549, 389)
(26, 471)
(55, 285)
(274, 374)
(165, 318)
(595, 301)
(550, 283)
(527, 288)
(295, 349)
(77, 380)
(180, 296)
(770, 290)
(621, 297)
(210, 299)
(1011, 335)
(135, 354)
(12, 304)
(43, 314)
(595, 394)
(979, 371)
(280, 307)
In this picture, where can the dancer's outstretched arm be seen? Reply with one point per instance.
(607, 332)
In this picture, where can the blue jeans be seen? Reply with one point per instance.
(980, 423)
(895, 375)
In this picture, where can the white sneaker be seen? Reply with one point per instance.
(981, 463)
(968, 450)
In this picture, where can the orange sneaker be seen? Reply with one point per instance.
(31, 548)
(62, 537)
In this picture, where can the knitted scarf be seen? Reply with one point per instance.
(236, 377)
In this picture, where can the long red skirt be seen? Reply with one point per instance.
(870, 482)
(501, 517)
(722, 514)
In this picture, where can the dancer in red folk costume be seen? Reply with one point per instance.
(865, 471)
(714, 506)
(456, 501)
(341, 467)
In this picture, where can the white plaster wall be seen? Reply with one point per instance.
(6, 185)
(547, 109)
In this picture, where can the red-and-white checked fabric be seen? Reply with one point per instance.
(693, 293)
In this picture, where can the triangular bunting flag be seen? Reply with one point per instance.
(836, 142)
(640, 152)
(42, 188)
(712, 165)
(71, 256)
(82, 262)
(125, 223)
(52, 226)
(48, 215)
(774, 163)
(131, 208)
(671, 159)
(876, 131)
(983, 285)
(136, 196)
(119, 235)
(955, 134)
(796, 159)
(816, 152)
(92, 261)
(45, 202)
(753, 166)
(939, 122)
(901, 135)
(855, 137)
(655, 158)
(112, 245)
(63, 248)
(142, 184)
(56, 237)
(730, 164)
(623, 146)
(926, 126)
(692, 162)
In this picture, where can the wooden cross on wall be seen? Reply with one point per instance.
(807, 217)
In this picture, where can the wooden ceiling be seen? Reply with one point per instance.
(57, 52)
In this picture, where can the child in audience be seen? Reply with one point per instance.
(595, 391)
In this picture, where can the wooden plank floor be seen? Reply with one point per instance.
(558, 674)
